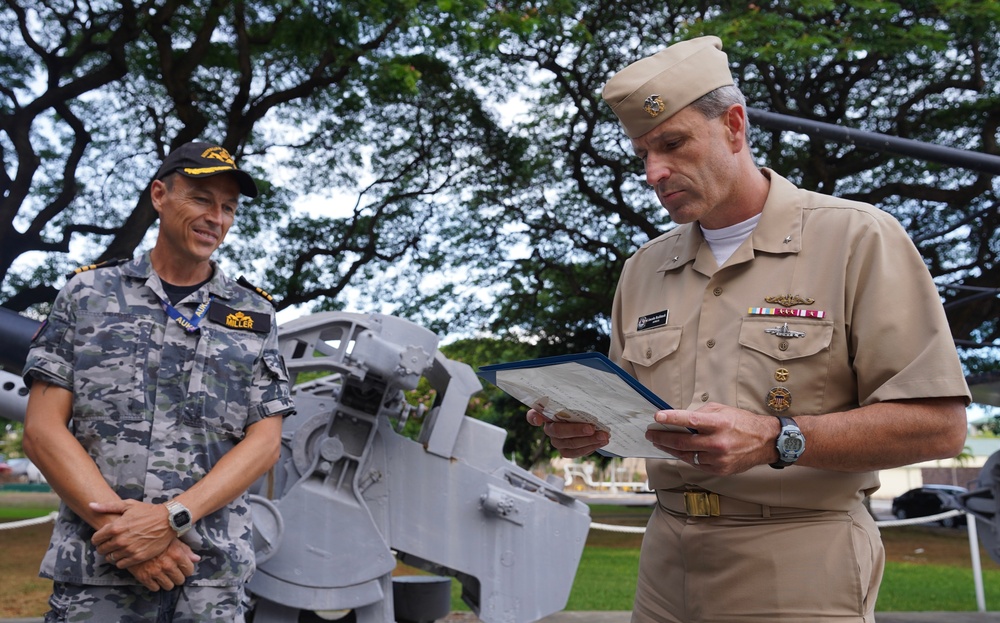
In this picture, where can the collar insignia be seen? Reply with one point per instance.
(789, 300)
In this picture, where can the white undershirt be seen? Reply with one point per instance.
(726, 240)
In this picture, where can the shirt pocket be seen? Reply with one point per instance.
(109, 367)
(653, 355)
(797, 367)
(221, 380)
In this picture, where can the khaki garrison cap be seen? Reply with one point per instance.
(653, 89)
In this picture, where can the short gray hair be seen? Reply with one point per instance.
(714, 103)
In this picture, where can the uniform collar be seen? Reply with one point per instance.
(220, 286)
(780, 226)
(779, 231)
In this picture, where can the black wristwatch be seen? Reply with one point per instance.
(179, 517)
(791, 443)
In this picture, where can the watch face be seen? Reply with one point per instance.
(181, 519)
(791, 444)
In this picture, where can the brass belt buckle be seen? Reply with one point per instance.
(701, 504)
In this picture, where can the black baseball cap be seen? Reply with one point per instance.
(205, 160)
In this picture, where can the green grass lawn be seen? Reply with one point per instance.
(911, 587)
(605, 578)
(24, 512)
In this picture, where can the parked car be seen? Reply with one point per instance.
(34, 475)
(19, 467)
(928, 500)
(24, 469)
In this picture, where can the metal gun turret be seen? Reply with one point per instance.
(351, 496)
(16, 332)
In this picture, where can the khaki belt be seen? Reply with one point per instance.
(702, 503)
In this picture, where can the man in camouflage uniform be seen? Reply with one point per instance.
(154, 389)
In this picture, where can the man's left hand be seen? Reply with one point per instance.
(139, 533)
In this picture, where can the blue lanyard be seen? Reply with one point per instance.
(189, 324)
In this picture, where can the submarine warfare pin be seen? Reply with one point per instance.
(784, 331)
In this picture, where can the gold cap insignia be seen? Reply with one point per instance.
(653, 105)
(220, 154)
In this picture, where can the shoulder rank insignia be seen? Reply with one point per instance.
(235, 319)
(105, 264)
(249, 286)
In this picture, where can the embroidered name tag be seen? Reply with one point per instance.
(653, 320)
(234, 319)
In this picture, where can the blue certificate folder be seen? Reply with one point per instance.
(586, 387)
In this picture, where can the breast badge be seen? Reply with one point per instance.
(779, 399)
(784, 331)
(789, 300)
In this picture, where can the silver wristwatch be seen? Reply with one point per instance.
(791, 443)
(179, 517)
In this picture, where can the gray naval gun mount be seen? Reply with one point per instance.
(351, 496)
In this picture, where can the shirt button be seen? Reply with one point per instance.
(649, 353)
(783, 346)
(717, 292)
(711, 343)
(704, 397)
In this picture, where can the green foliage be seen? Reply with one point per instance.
(451, 161)
(526, 444)
(11, 434)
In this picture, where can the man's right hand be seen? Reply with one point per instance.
(167, 570)
(571, 439)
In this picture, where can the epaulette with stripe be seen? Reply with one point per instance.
(105, 264)
(249, 286)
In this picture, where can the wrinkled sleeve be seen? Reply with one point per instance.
(900, 340)
(50, 357)
(270, 394)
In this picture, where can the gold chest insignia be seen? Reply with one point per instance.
(239, 320)
(789, 300)
(779, 399)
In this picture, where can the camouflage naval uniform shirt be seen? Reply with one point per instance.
(156, 406)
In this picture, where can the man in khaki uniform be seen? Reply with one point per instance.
(800, 335)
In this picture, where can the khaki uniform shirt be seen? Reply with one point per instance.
(882, 336)
(156, 406)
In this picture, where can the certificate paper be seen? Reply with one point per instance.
(589, 388)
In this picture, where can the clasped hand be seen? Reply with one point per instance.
(140, 539)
